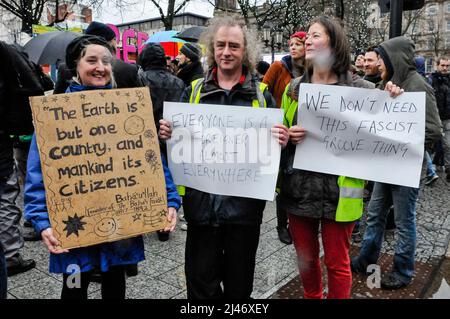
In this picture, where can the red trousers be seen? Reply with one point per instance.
(336, 245)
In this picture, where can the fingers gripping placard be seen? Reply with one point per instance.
(101, 165)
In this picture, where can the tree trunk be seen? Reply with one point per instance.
(168, 22)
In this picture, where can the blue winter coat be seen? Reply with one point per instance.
(101, 256)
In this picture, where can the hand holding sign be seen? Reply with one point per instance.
(101, 165)
(165, 130)
(297, 134)
(393, 89)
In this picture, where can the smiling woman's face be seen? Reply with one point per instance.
(94, 67)
(317, 42)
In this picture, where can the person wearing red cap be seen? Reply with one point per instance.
(277, 78)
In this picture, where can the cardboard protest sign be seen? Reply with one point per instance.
(362, 133)
(101, 165)
(222, 149)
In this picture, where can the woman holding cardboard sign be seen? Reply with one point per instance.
(314, 199)
(89, 60)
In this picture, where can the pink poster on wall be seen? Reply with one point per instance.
(130, 41)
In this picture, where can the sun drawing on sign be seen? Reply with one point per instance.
(73, 225)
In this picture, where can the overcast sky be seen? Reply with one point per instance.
(144, 9)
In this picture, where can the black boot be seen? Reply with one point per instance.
(282, 225)
(20, 265)
(284, 235)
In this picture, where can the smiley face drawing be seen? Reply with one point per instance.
(105, 227)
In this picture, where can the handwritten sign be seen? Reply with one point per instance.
(101, 165)
(362, 133)
(226, 150)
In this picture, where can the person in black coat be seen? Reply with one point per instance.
(163, 85)
(190, 67)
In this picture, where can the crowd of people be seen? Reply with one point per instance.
(223, 231)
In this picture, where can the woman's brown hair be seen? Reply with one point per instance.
(339, 45)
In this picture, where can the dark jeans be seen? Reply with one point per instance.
(113, 285)
(3, 276)
(223, 254)
(404, 200)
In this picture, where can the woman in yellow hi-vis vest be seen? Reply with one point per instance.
(316, 200)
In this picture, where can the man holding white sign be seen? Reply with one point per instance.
(396, 64)
(223, 232)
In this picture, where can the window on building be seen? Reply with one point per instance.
(447, 41)
(432, 10)
(415, 27)
(448, 25)
(430, 44)
(431, 25)
(429, 65)
(447, 7)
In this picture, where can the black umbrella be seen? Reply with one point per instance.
(48, 48)
(191, 34)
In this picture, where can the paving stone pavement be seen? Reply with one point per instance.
(432, 275)
(433, 223)
(161, 275)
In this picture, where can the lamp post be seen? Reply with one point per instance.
(272, 37)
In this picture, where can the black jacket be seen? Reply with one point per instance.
(6, 145)
(375, 79)
(441, 86)
(202, 208)
(125, 75)
(163, 85)
(190, 71)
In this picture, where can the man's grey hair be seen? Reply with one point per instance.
(251, 43)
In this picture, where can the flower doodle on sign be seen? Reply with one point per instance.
(152, 159)
(73, 225)
(150, 135)
(139, 95)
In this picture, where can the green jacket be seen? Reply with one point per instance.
(400, 52)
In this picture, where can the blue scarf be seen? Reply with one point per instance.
(75, 87)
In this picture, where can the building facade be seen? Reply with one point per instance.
(76, 15)
(153, 25)
(428, 27)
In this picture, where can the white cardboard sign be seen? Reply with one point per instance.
(362, 133)
(222, 149)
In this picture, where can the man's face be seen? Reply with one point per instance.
(181, 58)
(359, 63)
(229, 49)
(443, 66)
(382, 67)
(370, 64)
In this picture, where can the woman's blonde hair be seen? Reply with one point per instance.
(251, 44)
